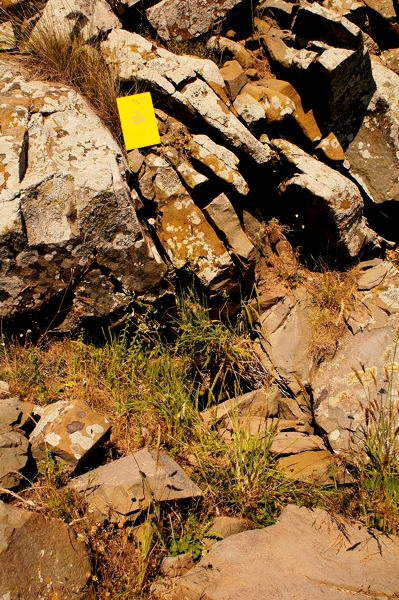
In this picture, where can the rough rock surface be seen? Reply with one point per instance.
(40, 558)
(88, 18)
(363, 371)
(287, 338)
(184, 19)
(13, 458)
(307, 554)
(68, 225)
(182, 229)
(373, 153)
(315, 187)
(69, 430)
(120, 490)
(194, 85)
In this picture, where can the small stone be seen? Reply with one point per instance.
(330, 148)
(175, 566)
(234, 78)
(226, 526)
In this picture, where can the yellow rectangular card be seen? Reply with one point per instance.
(139, 125)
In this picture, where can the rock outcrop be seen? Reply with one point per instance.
(68, 227)
(307, 554)
(40, 558)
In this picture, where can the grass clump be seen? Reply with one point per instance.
(54, 55)
(332, 293)
(150, 390)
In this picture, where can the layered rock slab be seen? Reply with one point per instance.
(373, 152)
(316, 189)
(184, 20)
(65, 206)
(307, 554)
(40, 558)
(356, 392)
(120, 490)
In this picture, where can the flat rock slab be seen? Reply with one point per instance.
(121, 489)
(314, 466)
(13, 458)
(40, 558)
(363, 373)
(68, 430)
(15, 413)
(307, 554)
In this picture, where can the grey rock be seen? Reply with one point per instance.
(175, 566)
(40, 558)
(345, 87)
(13, 458)
(69, 430)
(373, 273)
(182, 229)
(360, 377)
(294, 442)
(88, 18)
(122, 489)
(64, 177)
(234, 78)
(262, 403)
(15, 413)
(222, 214)
(307, 554)
(288, 336)
(219, 161)
(249, 109)
(338, 202)
(185, 20)
(315, 22)
(373, 152)
(225, 124)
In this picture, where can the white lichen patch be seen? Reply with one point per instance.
(52, 439)
(81, 440)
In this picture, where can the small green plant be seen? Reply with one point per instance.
(192, 538)
(376, 459)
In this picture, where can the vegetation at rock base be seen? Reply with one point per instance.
(153, 384)
(141, 383)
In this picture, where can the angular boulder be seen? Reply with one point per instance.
(184, 19)
(69, 430)
(373, 152)
(66, 210)
(325, 207)
(87, 18)
(307, 554)
(182, 229)
(40, 558)
(122, 489)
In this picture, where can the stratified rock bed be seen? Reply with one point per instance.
(307, 554)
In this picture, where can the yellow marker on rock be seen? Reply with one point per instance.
(139, 125)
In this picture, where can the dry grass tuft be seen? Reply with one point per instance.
(54, 55)
(332, 293)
